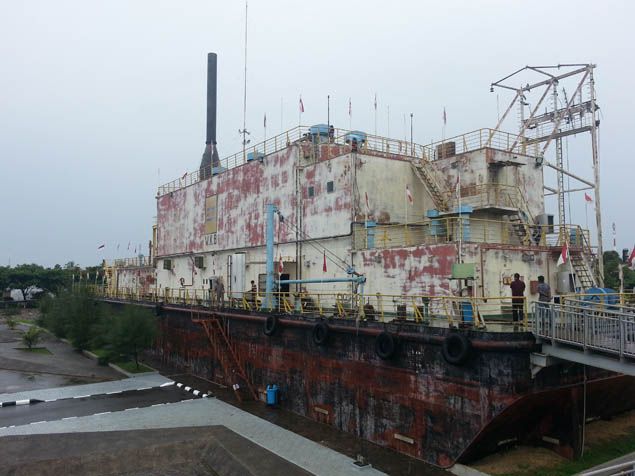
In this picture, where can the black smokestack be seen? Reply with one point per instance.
(210, 158)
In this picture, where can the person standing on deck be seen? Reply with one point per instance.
(518, 298)
(220, 293)
(544, 298)
(544, 290)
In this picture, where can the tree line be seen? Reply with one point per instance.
(34, 278)
(118, 334)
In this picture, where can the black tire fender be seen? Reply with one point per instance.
(271, 325)
(456, 348)
(320, 333)
(385, 345)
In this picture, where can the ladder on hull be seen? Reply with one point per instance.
(217, 330)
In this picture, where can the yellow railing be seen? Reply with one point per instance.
(473, 230)
(431, 310)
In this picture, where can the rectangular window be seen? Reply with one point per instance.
(199, 262)
(167, 264)
(311, 192)
(330, 187)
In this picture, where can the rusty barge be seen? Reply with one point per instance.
(368, 278)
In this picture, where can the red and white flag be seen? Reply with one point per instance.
(631, 257)
(587, 197)
(324, 262)
(301, 105)
(564, 255)
(409, 195)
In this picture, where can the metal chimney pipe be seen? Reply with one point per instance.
(210, 158)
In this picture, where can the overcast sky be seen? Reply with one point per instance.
(100, 101)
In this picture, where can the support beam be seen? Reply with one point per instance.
(566, 172)
(592, 359)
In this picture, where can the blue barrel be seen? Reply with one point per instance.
(467, 312)
(272, 394)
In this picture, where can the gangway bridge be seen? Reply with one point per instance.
(598, 331)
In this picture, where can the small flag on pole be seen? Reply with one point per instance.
(564, 255)
(101, 246)
(301, 105)
(445, 117)
(324, 261)
(587, 197)
(409, 195)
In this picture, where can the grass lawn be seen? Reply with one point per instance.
(597, 454)
(36, 350)
(130, 366)
(99, 352)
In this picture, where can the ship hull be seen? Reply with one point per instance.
(414, 402)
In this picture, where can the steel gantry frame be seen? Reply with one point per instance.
(578, 115)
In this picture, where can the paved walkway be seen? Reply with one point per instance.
(305, 453)
(135, 383)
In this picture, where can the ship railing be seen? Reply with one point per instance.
(494, 312)
(469, 230)
(587, 324)
(343, 140)
(136, 262)
(478, 139)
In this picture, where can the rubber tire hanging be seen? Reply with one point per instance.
(385, 346)
(456, 348)
(271, 325)
(320, 333)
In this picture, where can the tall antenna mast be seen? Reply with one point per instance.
(244, 130)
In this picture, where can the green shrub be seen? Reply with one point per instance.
(31, 337)
(12, 322)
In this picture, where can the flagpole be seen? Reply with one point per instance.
(375, 114)
(458, 169)
(586, 213)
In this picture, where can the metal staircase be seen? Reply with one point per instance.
(583, 271)
(217, 331)
(520, 221)
(428, 175)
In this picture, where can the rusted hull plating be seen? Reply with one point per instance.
(415, 403)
